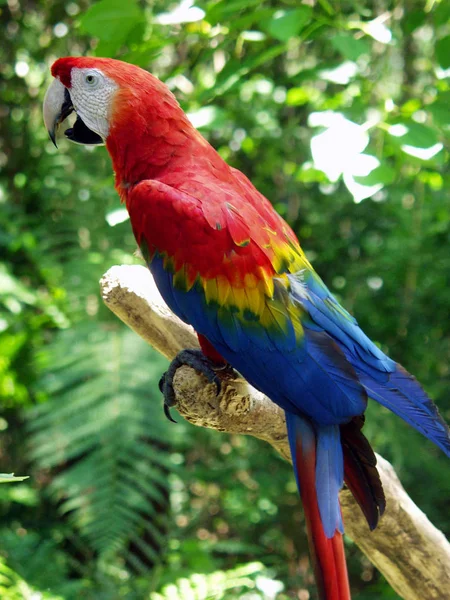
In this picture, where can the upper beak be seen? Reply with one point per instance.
(57, 107)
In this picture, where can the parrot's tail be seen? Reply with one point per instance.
(318, 463)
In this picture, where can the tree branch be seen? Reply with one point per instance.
(411, 553)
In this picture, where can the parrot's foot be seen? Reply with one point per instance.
(191, 358)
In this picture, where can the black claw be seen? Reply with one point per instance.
(167, 413)
(192, 358)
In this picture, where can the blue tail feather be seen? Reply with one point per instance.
(325, 442)
(329, 478)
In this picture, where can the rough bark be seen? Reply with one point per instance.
(412, 554)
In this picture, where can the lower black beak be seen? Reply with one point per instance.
(81, 134)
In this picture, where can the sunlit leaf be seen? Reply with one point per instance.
(341, 74)
(410, 107)
(416, 139)
(10, 477)
(378, 30)
(201, 586)
(116, 216)
(297, 96)
(206, 117)
(185, 12)
(362, 166)
(414, 134)
(336, 149)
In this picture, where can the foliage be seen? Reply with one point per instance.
(229, 585)
(339, 113)
(13, 587)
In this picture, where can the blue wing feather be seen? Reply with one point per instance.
(327, 313)
(384, 380)
(403, 395)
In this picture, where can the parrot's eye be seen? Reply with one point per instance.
(92, 80)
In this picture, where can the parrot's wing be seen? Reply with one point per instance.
(384, 380)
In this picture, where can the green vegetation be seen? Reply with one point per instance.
(339, 112)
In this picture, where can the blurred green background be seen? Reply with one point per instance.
(339, 112)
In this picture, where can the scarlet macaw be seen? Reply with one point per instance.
(229, 265)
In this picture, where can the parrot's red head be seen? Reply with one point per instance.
(122, 106)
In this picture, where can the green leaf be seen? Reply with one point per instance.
(143, 53)
(413, 134)
(413, 20)
(382, 174)
(350, 47)
(442, 50)
(441, 13)
(440, 110)
(228, 10)
(111, 21)
(10, 477)
(286, 24)
(410, 107)
(308, 174)
(235, 70)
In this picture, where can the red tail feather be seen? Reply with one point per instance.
(327, 553)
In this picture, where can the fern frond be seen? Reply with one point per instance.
(103, 432)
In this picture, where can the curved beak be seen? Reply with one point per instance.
(57, 107)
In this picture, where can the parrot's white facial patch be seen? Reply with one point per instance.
(91, 93)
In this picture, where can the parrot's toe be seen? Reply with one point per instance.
(191, 358)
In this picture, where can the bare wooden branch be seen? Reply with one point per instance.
(411, 553)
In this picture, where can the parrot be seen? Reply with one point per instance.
(227, 263)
